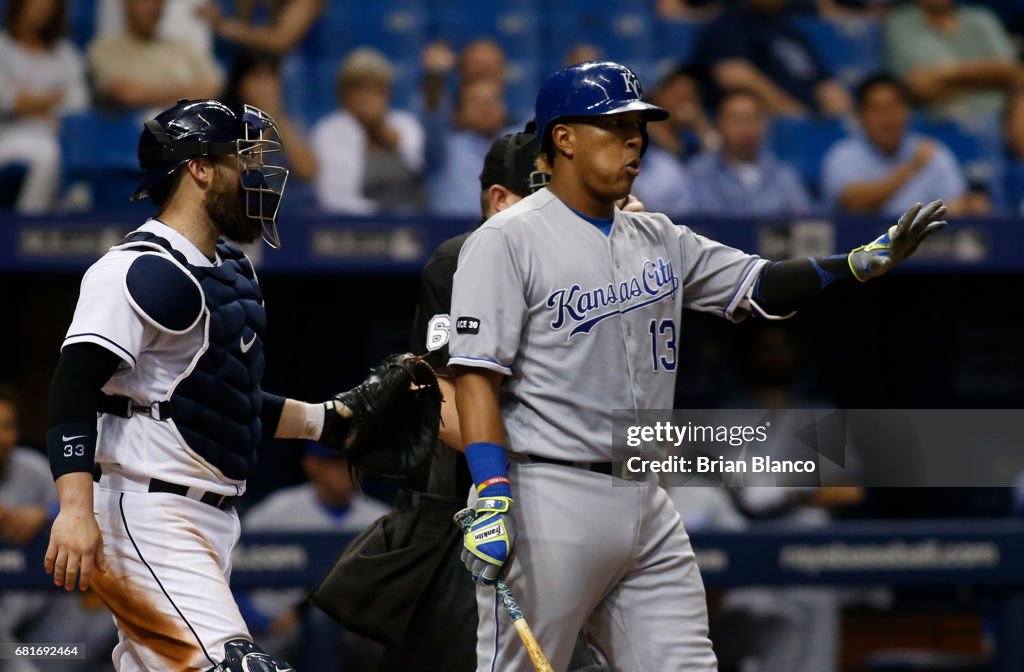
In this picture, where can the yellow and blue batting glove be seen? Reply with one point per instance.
(488, 543)
(899, 242)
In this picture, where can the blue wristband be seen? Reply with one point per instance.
(487, 461)
(71, 448)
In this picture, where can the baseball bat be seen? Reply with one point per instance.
(464, 519)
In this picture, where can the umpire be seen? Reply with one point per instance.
(401, 582)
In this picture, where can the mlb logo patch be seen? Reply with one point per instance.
(467, 325)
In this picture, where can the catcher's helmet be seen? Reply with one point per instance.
(194, 128)
(592, 89)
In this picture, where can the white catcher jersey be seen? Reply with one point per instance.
(151, 361)
(583, 323)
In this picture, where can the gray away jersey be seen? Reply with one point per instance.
(582, 323)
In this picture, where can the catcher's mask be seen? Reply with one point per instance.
(210, 128)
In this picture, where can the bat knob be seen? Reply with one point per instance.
(464, 519)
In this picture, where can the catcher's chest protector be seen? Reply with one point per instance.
(216, 405)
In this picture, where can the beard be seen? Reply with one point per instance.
(225, 208)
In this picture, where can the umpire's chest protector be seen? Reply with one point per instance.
(215, 404)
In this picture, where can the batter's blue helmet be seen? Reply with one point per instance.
(209, 128)
(592, 89)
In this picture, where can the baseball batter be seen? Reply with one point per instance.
(166, 348)
(563, 309)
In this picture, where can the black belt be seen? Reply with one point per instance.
(222, 502)
(606, 468)
(123, 407)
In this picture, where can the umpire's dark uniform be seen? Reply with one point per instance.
(401, 582)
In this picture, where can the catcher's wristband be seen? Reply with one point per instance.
(71, 448)
(335, 428)
(489, 467)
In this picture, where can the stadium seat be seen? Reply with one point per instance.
(99, 150)
(397, 29)
(852, 49)
(516, 30)
(976, 147)
(1013, 187)
(803, 143)
(676, 39)
(11, 177)
(81, 21)
(522, 83)
(622, 36)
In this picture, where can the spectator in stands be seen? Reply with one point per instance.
(688, 10)
(481, 59)
(290, 21)
(180, 21)
(688, 131)
(327, 503)
(664, 184)
(261, 87)
(27, 499)
(755, 45)
(140, 69)
(744, 178)
(41, 78)
(1013, 128)
(958, 61)
(479, 120)
(887, 167)
(368, 156)
(581, 53)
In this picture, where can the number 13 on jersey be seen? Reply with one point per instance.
(663, 344)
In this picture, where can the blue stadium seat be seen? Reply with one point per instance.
(477, 7)
(1013, 187)
(516, 30)
(81, 21)
(622, 36)
(676, 39)
(977, 146)
(100, 150)
(12, 175)
(521, 89)
(803, 143)
(398, 30)
(852, 49)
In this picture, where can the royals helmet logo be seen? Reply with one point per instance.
(632, 84)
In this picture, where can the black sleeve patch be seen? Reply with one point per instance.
(163, 293)
(467, 325)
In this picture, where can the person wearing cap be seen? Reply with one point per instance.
(435, 627)
(564, 308)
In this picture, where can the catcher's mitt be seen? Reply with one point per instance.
(395, 418)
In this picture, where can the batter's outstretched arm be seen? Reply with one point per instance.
(75, 547)
(786, 286)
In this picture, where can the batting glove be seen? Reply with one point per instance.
(899, 242)
(488, 544)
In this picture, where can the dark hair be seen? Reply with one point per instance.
(740, 92)
(682, 70)
(54, 29)
(162, 191)
(9, 394)
(876, 80)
